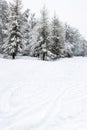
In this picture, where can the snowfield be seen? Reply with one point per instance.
(40, 95)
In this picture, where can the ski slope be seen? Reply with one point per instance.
(40, 95)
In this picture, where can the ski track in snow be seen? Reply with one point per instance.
(38, 95)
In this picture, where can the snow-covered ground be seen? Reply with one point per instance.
(40, 95)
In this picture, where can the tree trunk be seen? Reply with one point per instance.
(13, 56)
(44, 54)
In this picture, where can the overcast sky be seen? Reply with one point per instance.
(74, 12)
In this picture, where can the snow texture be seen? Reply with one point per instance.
(40, 95)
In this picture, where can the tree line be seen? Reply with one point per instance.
(21, 33)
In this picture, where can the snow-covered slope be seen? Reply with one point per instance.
(38, 95)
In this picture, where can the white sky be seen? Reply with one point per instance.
(74, 12)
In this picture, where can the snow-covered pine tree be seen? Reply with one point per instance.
(57, 38)
(32, 33)
(26, 31)
(43, 36)
(69, 41)
(4, 13)
(29, 32)
(75, 43)
(13, 43)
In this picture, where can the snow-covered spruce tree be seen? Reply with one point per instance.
(4, 13)
(26, 31)
(32, 33)
(57, 38)
(43, 36)
(75, 43)
(13, 43)
(29, 23)
(69, 40)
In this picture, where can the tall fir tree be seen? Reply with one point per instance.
(57, 38)
(26, 31)
(13, 44)
(76, 45)
(32, 33)
(29, 24)
(43, 36)
(4, 13)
